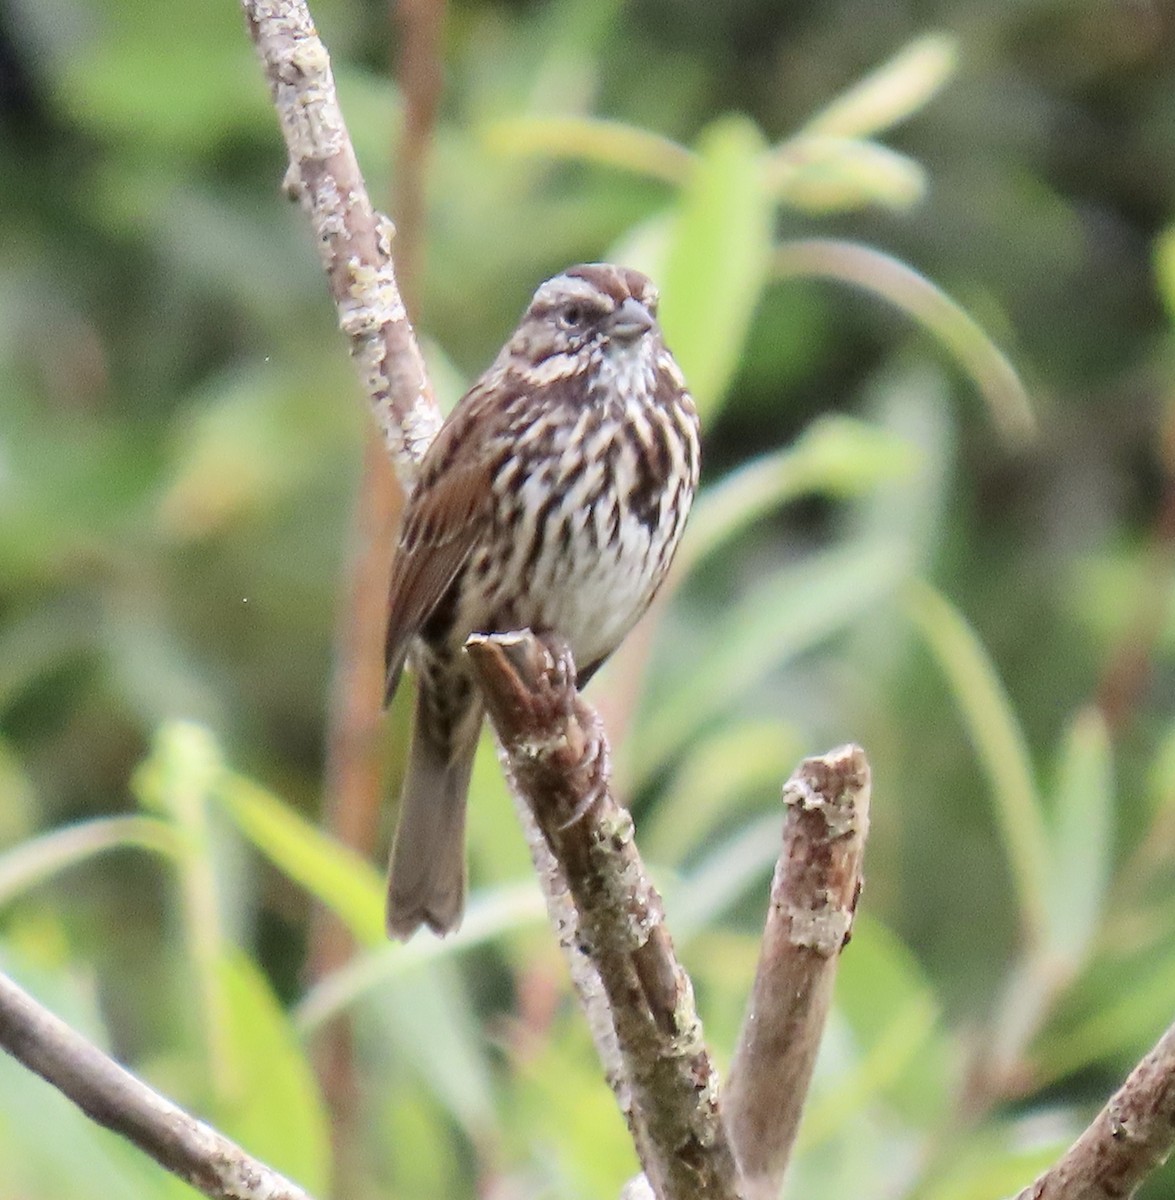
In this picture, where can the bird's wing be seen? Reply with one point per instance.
(444, 517)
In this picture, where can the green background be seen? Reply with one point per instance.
(891, 548)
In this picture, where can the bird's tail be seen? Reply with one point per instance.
(426, 884)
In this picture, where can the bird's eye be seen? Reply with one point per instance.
(571, 315)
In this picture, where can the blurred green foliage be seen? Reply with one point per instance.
(980, 595)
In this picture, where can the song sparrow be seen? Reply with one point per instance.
(553, 498)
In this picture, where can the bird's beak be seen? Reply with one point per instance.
(630, 321)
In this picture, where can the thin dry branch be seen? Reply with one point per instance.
(813, 897)
(354, 241)
(112, 1096)
(558, 759)
(1126, 1141)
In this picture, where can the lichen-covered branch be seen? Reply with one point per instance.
(813, 897)
(1132, 1135)
(585, 979)
(354, 241)
(112, 1096)
(558, 759)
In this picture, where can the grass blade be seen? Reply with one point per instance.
(884, 276)
(999, 744)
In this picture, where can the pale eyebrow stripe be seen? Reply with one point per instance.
(563, 288)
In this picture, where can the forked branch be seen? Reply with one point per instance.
(558, 761)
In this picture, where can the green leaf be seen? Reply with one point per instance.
(998, 1160)
(732, 867)
(717, 258)
(18, 798)
(720, 774)
(645, 244)
(893, 92)
(1082, 837)
(240, 449)
(498, 853)
(34, 862)
(412, 1117)
(893, 1014)
(999, 744)
(491, 913)
(834, 456)
(823, 175)
(564, 1121)
(334, 874)
(181, 772)
(908, 402)
(1165, 269)
(428, 1020)
(1121, 1021)
(898, 1048)
(176, 79)
(884, 276)
(373, 107)
(591, 139)
(179, 778)
(788, 613)
(1161, 778)
(272, 1106)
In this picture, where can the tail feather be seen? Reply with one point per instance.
(426, 884)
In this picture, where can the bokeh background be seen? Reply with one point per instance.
(929, 320)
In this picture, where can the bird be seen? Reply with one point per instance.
(553, 498)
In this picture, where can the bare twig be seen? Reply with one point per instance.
(112, 1096)
(354, 242)
(1127, 1140)
(813, 897)
(559, 761)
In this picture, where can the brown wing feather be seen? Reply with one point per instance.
(444, 518)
